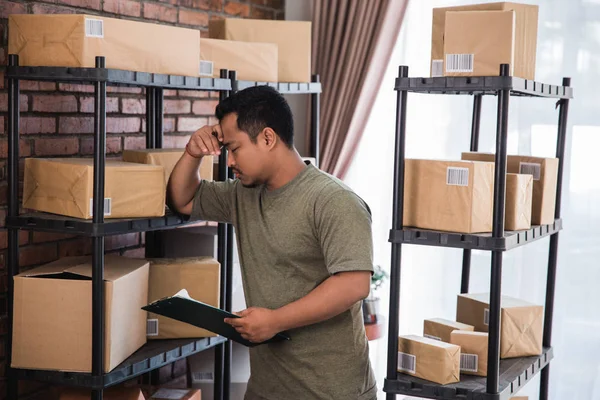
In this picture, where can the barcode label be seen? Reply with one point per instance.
(433, 337)
(206, 68)
(457, 176)
(152, 327)
(203, 376)
(486, 316)
(437, 68)
(170, 394)
(534, 169)
(107, 206)
(94, 28)
(459, 62)
(407, 363)
(469, 362)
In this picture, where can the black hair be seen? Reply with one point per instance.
(257, 108)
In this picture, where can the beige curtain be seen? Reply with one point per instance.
(352, 42)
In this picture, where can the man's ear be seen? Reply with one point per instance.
(269, 138)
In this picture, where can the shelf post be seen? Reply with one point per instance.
(493, 371)
(315, 99)
(222, 257)
(12, 257)
(553, 250)
(98, 218)
(150, 118)
(475, 124)
(397, 213)
(158, 115)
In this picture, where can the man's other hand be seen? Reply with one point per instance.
(255, 325)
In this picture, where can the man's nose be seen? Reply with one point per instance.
(230, 160)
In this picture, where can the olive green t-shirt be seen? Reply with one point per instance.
(289, 241)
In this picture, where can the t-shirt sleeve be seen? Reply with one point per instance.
(214, 201)
(343, 225)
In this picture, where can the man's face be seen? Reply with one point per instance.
(246, 158)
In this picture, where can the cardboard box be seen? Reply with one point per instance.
(53, 314)
(473, 351)
(252, 61)
(545, 176)
(440, 328)
(108, 394)
(201, 277)
(477, 42)
(74, 40)
(521, 322)
(520, 398)
(167, 158)
(176, 394)
(519, 201)
(526, 26)
(454, 196)
(429, 359)
(65, 186)
(293, 40)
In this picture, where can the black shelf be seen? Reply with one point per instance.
(117, 77)
(514, 374)
(60, 224)
(285, 87)
(483, 85)
(153, 355)
(481, 241)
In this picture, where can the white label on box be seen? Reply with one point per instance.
(170, 394)
(469, 362)
(457, 176)
(206, 68)
(437, 68)
(459, 62)
(152, 327)
(432, 337)
(486, 316)
(534, 169)
(107, 206)
(203, 376)
(94, 28)
(407, 363)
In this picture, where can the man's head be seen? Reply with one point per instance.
(257, 128)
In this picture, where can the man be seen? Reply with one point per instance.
(305, 246)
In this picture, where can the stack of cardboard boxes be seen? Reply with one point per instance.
(134, 394)
(450, 348)
(259, 50)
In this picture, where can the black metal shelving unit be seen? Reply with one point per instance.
(154, 354)
(504, 377)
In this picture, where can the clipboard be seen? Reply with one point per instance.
(182, 307)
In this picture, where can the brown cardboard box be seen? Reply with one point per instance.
(429, 359)
(252, 61)
(293, 39)
(519, 200)
(452, 196)
(477, 42)
(108, 394)
(75, 40)
(167, 158)
(440, 328)
(176, 394)
(53, 314)
(526, 23)
(200, 276)
(65, 186)
(520, 398)
(473, 351)
(521, 323)
(545, 175)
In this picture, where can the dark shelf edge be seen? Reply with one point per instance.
(123, 372)
(511, 239)
(285, 87)
(483, 85)
(410, 386)
(52, 223)
(117, 77)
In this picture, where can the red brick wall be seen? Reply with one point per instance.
(56, 120)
